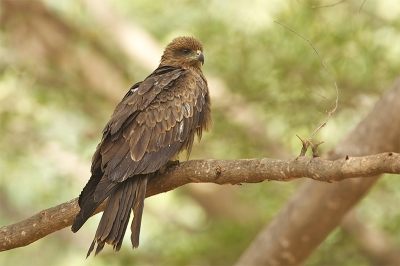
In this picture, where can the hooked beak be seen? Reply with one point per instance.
(200, 57)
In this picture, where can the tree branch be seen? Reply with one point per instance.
(220, 172)
(317, 208)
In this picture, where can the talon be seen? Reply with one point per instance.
(173, 163)
(167, 165)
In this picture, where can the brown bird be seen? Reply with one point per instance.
(156, 120)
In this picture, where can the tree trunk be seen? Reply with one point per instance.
(317, 208)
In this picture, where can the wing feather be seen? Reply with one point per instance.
(168, 138)
(135, 135)
(138, 150)
(151, 119)
(160, 117)
(156, 119)
(186, 128)
(153, 141)
(164, 125)
(176, 113)
(171, 121)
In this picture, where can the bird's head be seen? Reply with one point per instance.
(184, 52)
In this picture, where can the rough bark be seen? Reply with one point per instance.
(317, 208)
(219, 172)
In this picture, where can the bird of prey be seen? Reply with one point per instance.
(156, 120)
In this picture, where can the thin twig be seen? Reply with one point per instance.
(362, 4)
(329, 113)
(313, 7)
(320, 95)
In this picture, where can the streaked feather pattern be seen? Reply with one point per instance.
(157, 119)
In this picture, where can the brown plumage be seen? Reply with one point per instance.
(156, 120)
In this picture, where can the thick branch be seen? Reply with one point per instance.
(211, 171)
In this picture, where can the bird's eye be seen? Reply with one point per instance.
(185, 51)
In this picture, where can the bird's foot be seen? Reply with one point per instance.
(167, 165)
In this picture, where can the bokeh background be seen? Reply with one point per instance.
(65, 64)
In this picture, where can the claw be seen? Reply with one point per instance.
(167, 165)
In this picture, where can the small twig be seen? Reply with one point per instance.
(314, 148)
(304, 149)
(336, 101)
(313, 7)
(331, 5)
(320, 95)
(362, 4)
(307, 143)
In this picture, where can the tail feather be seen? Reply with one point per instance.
(124, 212)
(117, 211)
(137, 212)
(127, 195)
(89, 203)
